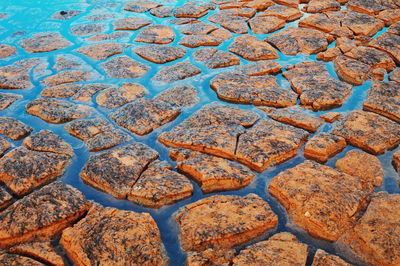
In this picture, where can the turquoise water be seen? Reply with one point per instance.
(28, 17)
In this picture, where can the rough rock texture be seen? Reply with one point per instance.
(251, 48)
(384, 99)
(317, 6)
(212, 173)
(124, 67)
(362, 164)
(131, 23)
(222, 59)
(376, 236)
(396, 161)
(111, 236)
(6, 99)
(41, 250)
(13, 128)
(369, 131)
(283, 12)
(269, 143)
(280, 249)
(88, 90)
(232, 22)
(66, 14)
(84, 30)
(101, 51)
(316, 87)
(257, 90)
(67, 76)
(44, 42)
(16, 260)
(162, 11)
(88, 128)
(395, 75)
(331, 117)
(179, 71)
(323, 146)
(372, 57)
(160, 34)
(115, 97)
(5, 198)
(61, 91)
(140, 6)
(47, 141)
(260, 68)
(106, 140)
(210, 256)
(200, 28)
(7, 50)
(296, 117)
(323, 258)
(223, 221)
(13, 77)
(4, 146)
(57, 111)
(389, 43)
(350, 70)
(190, 10)
(42, 214)
(264, 25)
(330, 54)
(115, 35)
(160, 54)
(372, 7)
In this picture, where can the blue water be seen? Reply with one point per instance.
(26, 17)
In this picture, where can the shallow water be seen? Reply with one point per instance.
(26, 17)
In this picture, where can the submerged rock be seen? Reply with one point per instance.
(67, 76)
(13, 77)
(66, 14)
(7, 50)
(251, 48)
(140, 6)
(101, 51)
(323, 146)
(6, 99)
(44, 42)
(84, 30)
(124, 67)
(131, 23)
(160, 54)
(13, 128)
(179, 71)
(159, 34)
(47, 141)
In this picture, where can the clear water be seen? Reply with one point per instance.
(26, 17)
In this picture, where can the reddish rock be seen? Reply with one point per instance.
(389, 16)
(280, 249)
(330, 54)
(372, 57)
(88, 128)
(251, 48)
(88, 90)
(194, 41)
(66, 14)
(376, 236)
(371, 7)
(182, 21)
(260, 68)
(44, 42)
(190, 10)
(159, 34)
(67, 76)
(200, 28)
(362, 24)
(41, 250)
(115, 35)
(264, 25)
(331, 117)
(291, 3)
(223, 221)
(57, 111)
(179, 71)
(111, 236)
(124, 67)
(318, 6)
(42, 214)
(323, 146)
(101, 51)
(47, 141)
(117, 96)
(162, 11)
(283, 12)
(333, 198)
(369, 131)
(61, 91)
(361, 164)
(160, 54)
(322, 258)
(389, 43)
(322, 22)
(222, 59)
(345, 44)
(84, 30)
(14, 77)
(4, 146)
(296, 117)
(106, 140)
(396, 161)
(5, 198)
(182, 96)
(350, 70)
(16, 260)
(395, 75)
(6, 99)
(13, 128)
(394, 29)
(235, 24)
(7, 50)
(131, 23)
(210, 256)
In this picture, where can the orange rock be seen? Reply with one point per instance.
(222, 257)
(372, 57)
(323, 258)
(396, 161)
(362, 24)
(160, 34)
(140, 6)
(331, 117)
(67, 76)
(88, 90)
(317, 6)
(330, 54)
(223, 221)
(47, 141)
(13, 77)
(7, 50)
(88, 128)
(389, 43)
(117, 96)
(350, 70)
(323, 146)
(395, 75)
(190, 10)
(389, 16)
(61, 91)
(371, 7)
(283, 12)
(160, 54)
(13, 128)
(201, 28)
(84, 30)
(131, 23)
(44, 42)
(124, 67)
(101, 51)
(265, 25)
(6, 99)
(106, 140)
(4, 146)
(41, 250)
(16, 260)
(296, 117)
(5, 198)
(251, 48)
(259, 68)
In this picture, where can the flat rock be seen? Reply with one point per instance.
(106, 140)
(369, 131)
(384, 99)
(66, 14)
(396, 161)
(389, 16)
(330, 54)
(296, 117)
(319, 199)
(160, 54)
(316, 87)
(211, 256)
(280, 249)
(283, 12)
(5, 198)
(214, 130)
(7, 50)
(362, 24)
(389, 43)
(362, 164)
(88, 128)
(269, 143)
(117, 96)
(257, 90)
(292, 41)
(190, 10)
(291, 3)
(88, 90)
(322, 258)
(57, 111)
(371, 7)
(131, 23)
(251, 48)
(158, 185)
(115, 35)
(15, 260)
(231, 22)
(4, 146)
(116, 171)
(194, 41)
(124, 67)
(13, 128)
(44, 42)
(111, 236)
(162, 11)
(265, 25)
(200, 28)
(6, 99)
(394, 28)
(260, 68)
(84, 30)
(62, 91)
(140, 6)
(323, 146)
(101, 51)
(182, 96)
(223, 221)
(317, 6)
(212, 173)
(372, 57)
(376, 236)
(46, 141)
(13, 77)
(350, 70)
(331, 117)
(159, 34)
(395, 75)
(42, 214)
(222, 59)
(324, 23)
(41, 250)
(179, 71)
(67, 76)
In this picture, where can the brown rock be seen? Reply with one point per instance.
(389, 43)
(158, 185)
(376, 236)
(160, 34)
(323, 258)
(291, 3)
(5, 198)
(101, 51)
(57, 111)
(331, 117)
(14, 77)
(362, 24)
(16, 260)
(384, 99)
(140, 6)
(162, 11)
(47, 141)
(251, 48)
(190, 10)
(319, 199)
(396, 161)
(223, 221)
(179, 71)
(13, 128)
(345, 44)
(160, 54)
(330, 54)
(200, 28)
(296, 117)
(321, 22)
(212, 173)
(115, 35)
(264, 25)
(394, 29)
(84, 30)
(371, 7)
(111, 236)
(6, 99)
(235, 24)
(116, 171)
(283, 12)
(182, 21)
(222, 59)
(44, 42)
(323, 146)
(88, 128)
(210, 256)
(182, 96)
(363, 165)
(106, 140)
(61, 91)
(88, 90)
(291, 41)
(4, 146)
(260, 68)
(7, 50)
(280, 249)
(372, 57)
(389, 16)
(124, 67)
(42, 214)
(318, 6)
(369, 131)
(67, 76)
(131, 23)
(350, 70)
(41, 250)
(115, 97)
(194, 41)
(395, 75)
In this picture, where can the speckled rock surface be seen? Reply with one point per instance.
(160, 54)
(4, 146)
(251, 48)
(14, 77)
(101, 51)
(322, 258)
(124, 67)
(115, 97)
(179, 71)
(5, 198)
(6, 99)
(88, 128)
(210, 256)
(260, 68)
(44, 42)
(47, 141)
(131, 23)
(84, 30)
(286, 13)
(396, 161)
(42, 250)
(265, 25)
(323, 146)
(106, 140)
(13, 128)
(295, 117)
(388, 43)
(159, 34)
(7, 50)
(67, 76)
(15, 260)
